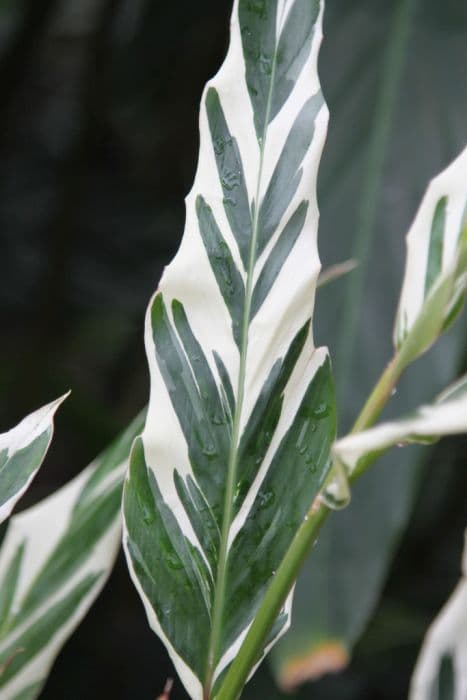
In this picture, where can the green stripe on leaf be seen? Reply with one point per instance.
(436, 245)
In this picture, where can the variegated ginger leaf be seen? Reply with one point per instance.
(54, 560)
(241, 413)
(446, 416)
(435, 278)
(22, 450)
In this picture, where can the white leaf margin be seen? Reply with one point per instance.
(446, 636)
(446, 416)
(21, 436)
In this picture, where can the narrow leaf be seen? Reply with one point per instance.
(446, 416)
(241, 415)
(54, 561)
(22, 450)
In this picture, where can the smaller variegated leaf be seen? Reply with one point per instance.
(435, 278)
(54, 560)
(446, 416)
(22, 451)
(446, 638)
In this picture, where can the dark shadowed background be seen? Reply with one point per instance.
(98, 146)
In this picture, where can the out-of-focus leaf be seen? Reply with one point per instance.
(22, 450)
(54, 560)
(435, 277)
(445, 639)
(236, 444)
(446, 416)
(385, 143)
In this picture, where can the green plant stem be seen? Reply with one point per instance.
(219, 598)
(380, 394)
(304, 539)
(272, 604)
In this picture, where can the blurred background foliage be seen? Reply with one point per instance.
(98, 145)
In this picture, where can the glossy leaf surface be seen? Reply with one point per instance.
(241, 413)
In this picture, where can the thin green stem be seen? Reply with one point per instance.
(219, 596)
(380, 394)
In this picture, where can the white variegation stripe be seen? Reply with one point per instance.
(20, 437)
(452, 185)
(447, 416)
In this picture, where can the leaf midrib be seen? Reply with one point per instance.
(219, 594)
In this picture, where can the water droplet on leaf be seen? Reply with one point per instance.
(231, 179)
(266, 499)
(172, 561)
(321, 410)
(336, 490)
(148, 515)
(218, 419)
(210, 450)
(241, 490)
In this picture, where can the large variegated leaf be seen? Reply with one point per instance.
(446, 416)
(446, 638)
(54, 560)
(241, 413)
(22, 450)
(435, 279)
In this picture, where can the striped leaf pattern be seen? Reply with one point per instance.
(54, 560)
(241, 414)
(446, 416)
(22, 450)
(435, 278)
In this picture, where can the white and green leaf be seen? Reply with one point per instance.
(54, 561)
(22, 451)
(447, 415)
(241, 414)
(446, 638)
(435, 278)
